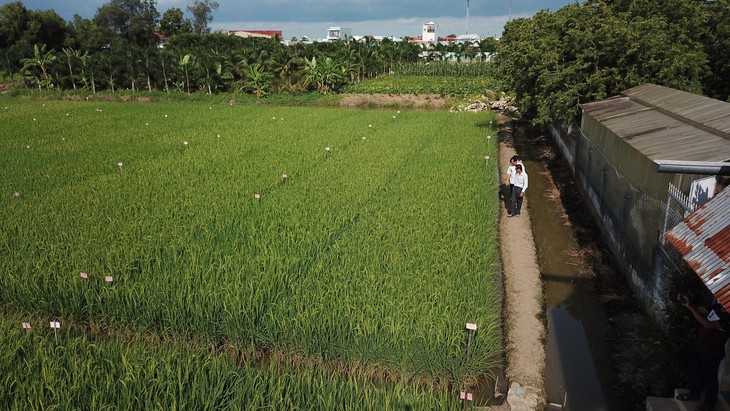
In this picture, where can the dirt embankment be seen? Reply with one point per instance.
(415, 101)
(525, 329)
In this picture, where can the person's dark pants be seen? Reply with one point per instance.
(516, 200)
(704, 376)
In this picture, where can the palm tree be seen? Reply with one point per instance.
(165, 58)
(148, 59)
(133, 59)
(284, 63)
(210, 63)
(109, 64)
(70, 53)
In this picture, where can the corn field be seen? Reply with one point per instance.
(225, 256)
(446, 69)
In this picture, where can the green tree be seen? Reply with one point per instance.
(83, 34)
(38, 66)
(45, 27)
(173, 23)
(555, 61)
(13, 23)
(202, 11)
(257, 80)
(71, 56)
(184, 64)
(326, 74)
(132, 21)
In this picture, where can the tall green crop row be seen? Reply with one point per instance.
(75, 371)
(424, 84)
(374, 253)
(446, 69)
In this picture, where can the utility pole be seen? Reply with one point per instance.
(467, 17)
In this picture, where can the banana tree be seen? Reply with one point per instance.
(257, 80)
(184, 64)
(40, 61)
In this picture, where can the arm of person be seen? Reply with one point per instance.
(525, 187)
(699, 313)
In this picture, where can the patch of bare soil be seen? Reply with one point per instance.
(415, 101)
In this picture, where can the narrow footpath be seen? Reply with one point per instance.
(524, 326)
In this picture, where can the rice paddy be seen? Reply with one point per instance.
(226, 256)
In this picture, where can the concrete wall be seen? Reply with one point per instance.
(628, 214)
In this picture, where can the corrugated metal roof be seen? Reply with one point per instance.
(703, 239)
(667, 124)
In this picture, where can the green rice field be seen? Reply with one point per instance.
(223, 256)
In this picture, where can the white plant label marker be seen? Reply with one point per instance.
(257, 196)
(327, 149)
(55, 325)
(84, 275)
(471, 326)
(284, 176)
(26, 326)
(108, 278)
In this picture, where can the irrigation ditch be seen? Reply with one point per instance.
(603, 351)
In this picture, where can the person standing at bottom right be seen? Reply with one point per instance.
(518, 192)
(708, 352)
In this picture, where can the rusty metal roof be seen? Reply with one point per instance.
(667, 124)
(703, 239)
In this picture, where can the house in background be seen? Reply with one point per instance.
(644, 160)
(428, 32)
(269, 34)
(338, 33)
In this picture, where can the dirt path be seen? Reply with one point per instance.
(525, 330)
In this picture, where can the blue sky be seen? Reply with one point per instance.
(297, 18)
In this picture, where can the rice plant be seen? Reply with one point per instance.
(368, 257)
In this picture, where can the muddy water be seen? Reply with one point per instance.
(578, 373)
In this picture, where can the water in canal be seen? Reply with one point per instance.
(578, 371)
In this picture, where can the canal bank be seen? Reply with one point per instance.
(601, 348)
(524, 326)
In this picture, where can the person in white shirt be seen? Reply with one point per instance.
(518, 191)
(511, 172)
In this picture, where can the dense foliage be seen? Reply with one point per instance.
(583, 52)
(372, 253)
(121, 48)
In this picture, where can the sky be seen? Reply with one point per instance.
(311, 18)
